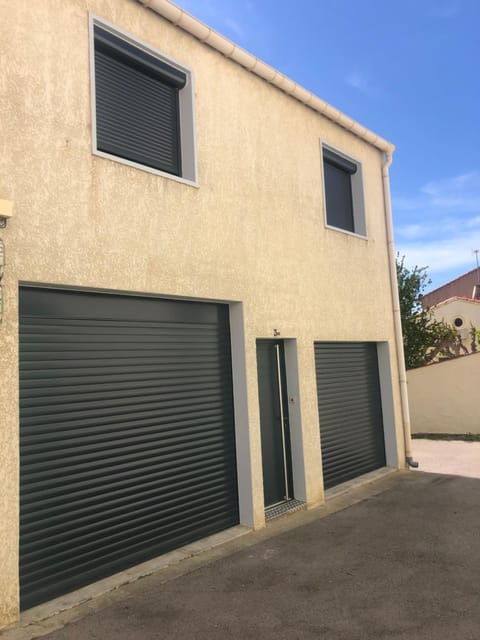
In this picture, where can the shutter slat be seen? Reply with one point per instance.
(137, 116)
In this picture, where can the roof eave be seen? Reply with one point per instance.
(181, 18)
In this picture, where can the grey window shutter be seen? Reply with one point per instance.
(338, 196)
(339, 161)
(137, 104)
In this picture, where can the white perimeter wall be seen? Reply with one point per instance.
(444, 397)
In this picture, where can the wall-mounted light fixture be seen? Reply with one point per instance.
(6, 212)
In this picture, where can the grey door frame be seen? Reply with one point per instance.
(276, 428)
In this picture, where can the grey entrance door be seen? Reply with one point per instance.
(274, 425)
(127, 439)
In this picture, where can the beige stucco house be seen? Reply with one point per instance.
(461, 313)
(200, 320)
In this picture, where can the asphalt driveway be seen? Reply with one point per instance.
(401, 562)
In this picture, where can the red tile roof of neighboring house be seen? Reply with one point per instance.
(453, 298)
(461, 287)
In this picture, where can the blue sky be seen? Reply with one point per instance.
(409, 70)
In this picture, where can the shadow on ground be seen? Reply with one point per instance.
(400, 564)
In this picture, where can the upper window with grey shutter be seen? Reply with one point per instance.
(143, 106)
(343, 189)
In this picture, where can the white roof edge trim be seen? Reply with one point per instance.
(455, 299)
(229, 49)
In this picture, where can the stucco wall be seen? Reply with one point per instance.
(443, 397)
(252, 232)
(467, 310)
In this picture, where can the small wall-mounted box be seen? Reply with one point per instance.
(6, 208)
(6, 212)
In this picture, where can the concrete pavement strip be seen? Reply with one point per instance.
(448, 456)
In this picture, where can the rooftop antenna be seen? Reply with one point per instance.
(476, 288)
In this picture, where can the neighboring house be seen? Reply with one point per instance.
(465, 286)
(457, 303)
(461, 313)
(185, 345)
(443, 395)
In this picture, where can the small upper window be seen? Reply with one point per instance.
(143, 108)
(343, 193)
(458, 322)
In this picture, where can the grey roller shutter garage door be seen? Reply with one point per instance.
(126, 433)
(350, 410)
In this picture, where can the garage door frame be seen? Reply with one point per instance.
(239, 378)
(386, 399)
(237, 353)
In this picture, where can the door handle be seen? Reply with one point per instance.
(282, 421)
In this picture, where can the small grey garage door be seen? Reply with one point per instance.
(126, 433)
(350, 410)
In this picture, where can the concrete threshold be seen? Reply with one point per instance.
(366, 478)
(117, 580)
(55, 614)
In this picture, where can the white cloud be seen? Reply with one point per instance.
(235, 26)
(440, 227)
(227, 17)
(457, 195)
(440, 224)
(473, 222)
(446, 9)
(360, 81)
(439, 256)
(412, 231)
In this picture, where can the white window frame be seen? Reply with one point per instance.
(358, 196)
(186, 107)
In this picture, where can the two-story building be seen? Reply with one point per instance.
(200, 320)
